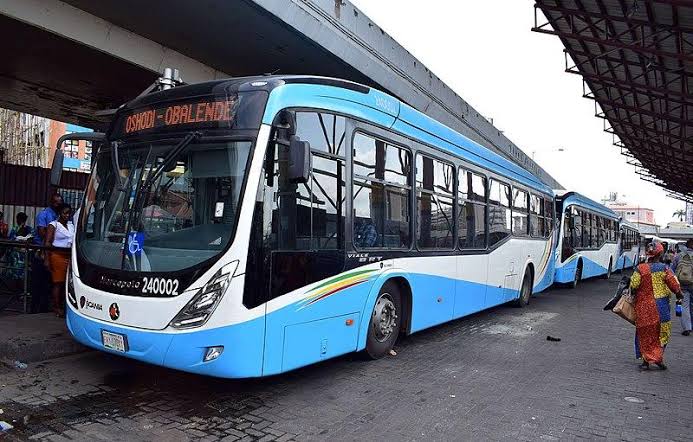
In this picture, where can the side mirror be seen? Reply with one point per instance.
(57, 167)
(299, 160)
(58, 159)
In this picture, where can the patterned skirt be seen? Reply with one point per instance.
(652, 328)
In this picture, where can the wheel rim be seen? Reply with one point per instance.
(384, 318)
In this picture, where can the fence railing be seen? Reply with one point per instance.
(16, 258)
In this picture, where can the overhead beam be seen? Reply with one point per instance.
(75, 24)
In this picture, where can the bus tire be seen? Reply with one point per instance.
(578, 275)
(608, 271)
(385, 321)
(525, 291)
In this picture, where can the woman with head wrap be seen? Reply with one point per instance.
(652, 283)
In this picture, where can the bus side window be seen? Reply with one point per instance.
(585, 229)
(536, 216)
(434, 199)
(471, 203)
(520, 207)
(499, 217)
(381, 194)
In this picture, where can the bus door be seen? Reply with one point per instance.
(472, 267)
(305, 245)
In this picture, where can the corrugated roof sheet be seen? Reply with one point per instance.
(636, 60)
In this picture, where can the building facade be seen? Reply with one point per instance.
(23, 139)
(29, 140)
(643, 217)
(77, 153)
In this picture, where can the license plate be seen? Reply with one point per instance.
(114, 341)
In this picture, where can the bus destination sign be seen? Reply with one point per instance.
(179, 114)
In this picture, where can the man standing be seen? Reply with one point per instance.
(47, 216)
(683, 269)
(40, 277)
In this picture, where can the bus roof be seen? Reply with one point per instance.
(629, 224)
(385, 110)
(353, 99)
(577, 199)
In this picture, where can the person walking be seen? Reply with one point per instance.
(683, 269)
(652, 284)
(60, 233)
(40, 277)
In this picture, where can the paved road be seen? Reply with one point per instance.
(490, 376)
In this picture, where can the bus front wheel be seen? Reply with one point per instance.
(385, 321)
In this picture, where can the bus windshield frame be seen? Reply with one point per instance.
(178, 236)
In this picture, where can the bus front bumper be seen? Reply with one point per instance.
(185, 350)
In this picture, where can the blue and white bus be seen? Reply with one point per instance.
(250, 226)
(629, 246)
(588, 245)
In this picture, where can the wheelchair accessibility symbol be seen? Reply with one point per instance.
(135, 243)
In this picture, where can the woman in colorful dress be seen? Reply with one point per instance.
(653, 282)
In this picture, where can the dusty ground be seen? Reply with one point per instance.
(490, 376)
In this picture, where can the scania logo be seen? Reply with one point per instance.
(114, 311)
(85, 303)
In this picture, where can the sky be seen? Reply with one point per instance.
(486, 52)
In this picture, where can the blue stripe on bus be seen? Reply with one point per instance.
(627, 262)
(300, 336)
(242, 356)
(547, 280)
(566, 273)
(294, 337)
(364, 106)
(624, 262)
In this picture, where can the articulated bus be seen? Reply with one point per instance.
(629, 246)
(588, 246)
(250, 226)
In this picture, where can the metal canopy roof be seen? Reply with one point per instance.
(636, 62)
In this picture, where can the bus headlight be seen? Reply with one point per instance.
(71, 288)
(202, 305)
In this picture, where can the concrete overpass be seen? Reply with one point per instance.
(69, 59)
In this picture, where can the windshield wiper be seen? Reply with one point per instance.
(144, 187)
(169, 158)
(115, 163)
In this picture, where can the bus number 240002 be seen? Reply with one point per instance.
(160, 286)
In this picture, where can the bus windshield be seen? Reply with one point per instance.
(174, 205)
